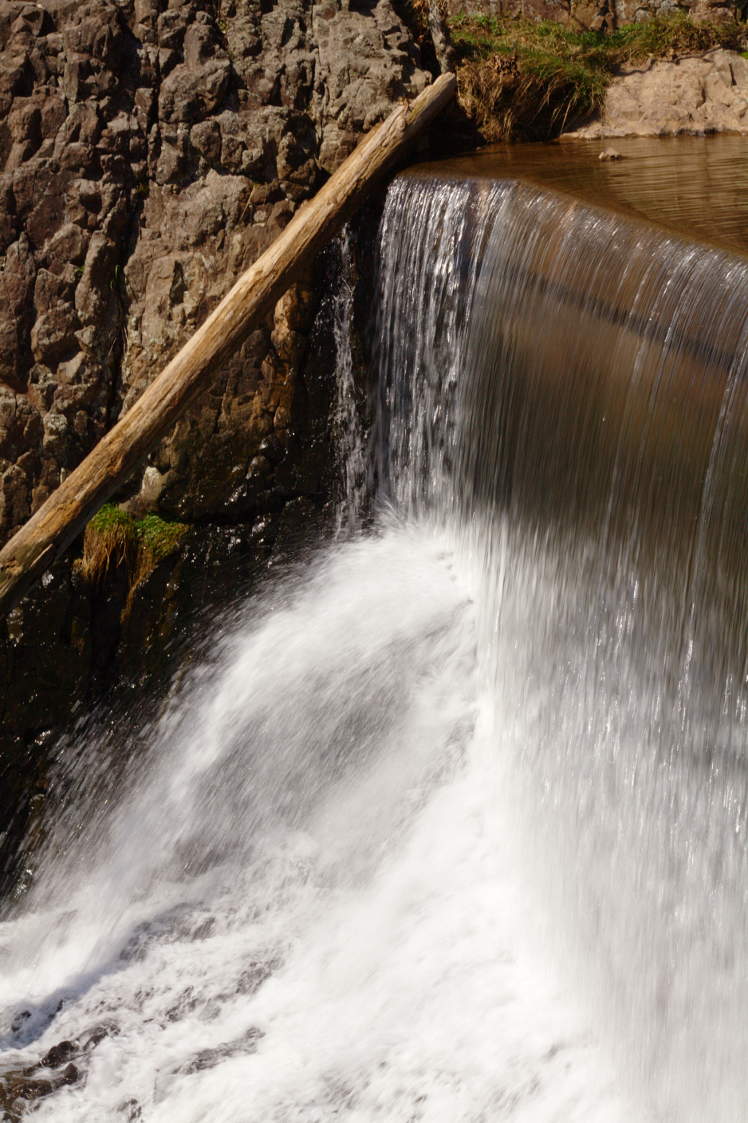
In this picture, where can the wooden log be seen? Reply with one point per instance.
(64, 514)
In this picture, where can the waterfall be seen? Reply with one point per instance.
(347, 425)
(451, 826)
(598, 478)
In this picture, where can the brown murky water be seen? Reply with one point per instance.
(696, 185)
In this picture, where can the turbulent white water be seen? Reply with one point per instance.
(450, 827)
(355, 941)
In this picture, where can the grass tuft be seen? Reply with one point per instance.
(109, 541)
(114, 538)
(520, 78)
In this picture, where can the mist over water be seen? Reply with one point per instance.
(452, 824)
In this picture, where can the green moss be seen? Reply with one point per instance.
(523, 78)
(159, 538)
(110, 517)
(114, 537)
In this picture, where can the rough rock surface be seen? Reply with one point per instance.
(149, 151)
(706, 94)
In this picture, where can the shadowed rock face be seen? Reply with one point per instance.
(150, 150)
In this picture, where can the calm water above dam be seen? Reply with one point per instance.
(451, 827)
(696, 185)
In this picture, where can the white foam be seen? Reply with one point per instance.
(385, 901)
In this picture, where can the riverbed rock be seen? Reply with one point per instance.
(22, 1087)
(704, 94)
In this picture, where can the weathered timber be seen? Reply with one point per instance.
(64, 514)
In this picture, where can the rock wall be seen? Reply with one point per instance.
(150, 150)
(703, 94)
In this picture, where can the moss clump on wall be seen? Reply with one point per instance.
(114, 538)
(521, 79)
(109, 541)
(157, 538)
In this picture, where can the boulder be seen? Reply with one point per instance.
(703, 94)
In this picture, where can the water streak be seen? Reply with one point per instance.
(350, 443)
